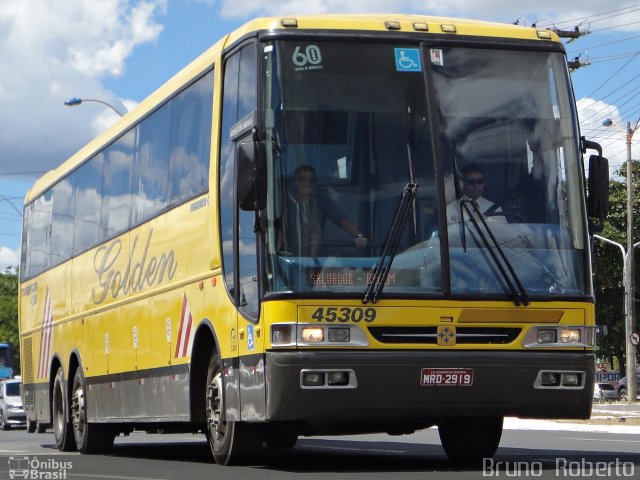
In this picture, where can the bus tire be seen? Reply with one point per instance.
(31, 426)
(89, 437)
(230, 442)
(470, 440)
(3, 423)
(62, 430)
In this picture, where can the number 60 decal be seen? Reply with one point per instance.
(311, 55)
(344, 314)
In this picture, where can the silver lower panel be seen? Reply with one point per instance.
(152, 399)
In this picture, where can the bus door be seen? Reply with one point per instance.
(239, 245)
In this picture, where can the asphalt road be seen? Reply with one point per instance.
(529, 453)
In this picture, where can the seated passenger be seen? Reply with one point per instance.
(307, 212)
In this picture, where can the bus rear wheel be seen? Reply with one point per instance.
(31, 426)
(89, 437)
(470, 440)
(230, 442)
(62, 430)
(3, 423)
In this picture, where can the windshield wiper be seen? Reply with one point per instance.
(381, 270)
(518, 292)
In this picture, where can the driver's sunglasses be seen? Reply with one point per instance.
(475, 181)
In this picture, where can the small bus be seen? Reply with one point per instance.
(263, 248)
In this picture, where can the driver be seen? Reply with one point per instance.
(308, 210)
(473, 188)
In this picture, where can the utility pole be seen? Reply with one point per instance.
(630, 348)
(629, 283)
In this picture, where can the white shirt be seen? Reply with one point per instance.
(453, 211)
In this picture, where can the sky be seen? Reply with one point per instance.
(120, 51)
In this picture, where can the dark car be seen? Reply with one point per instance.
(622, 388)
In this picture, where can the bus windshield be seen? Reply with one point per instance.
(486, 139)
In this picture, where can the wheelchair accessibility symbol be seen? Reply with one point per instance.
(408, 60)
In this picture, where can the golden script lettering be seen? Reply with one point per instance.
(146, 272)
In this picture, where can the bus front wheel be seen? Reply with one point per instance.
(89, 437)
(230, 442)
(470, 440)
(62, 430)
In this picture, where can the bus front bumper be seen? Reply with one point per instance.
(392, 385)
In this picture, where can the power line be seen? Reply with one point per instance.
(615, 26)
(593, 47)
(584, 19)
(609, 58)
(586, 122)
(616, 72)
(18, 174)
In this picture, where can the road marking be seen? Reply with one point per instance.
(601, 440)
(347, 449)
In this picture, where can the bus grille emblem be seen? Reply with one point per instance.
(446, 335)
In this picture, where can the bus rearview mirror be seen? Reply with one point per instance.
(251, 175)
(598, 189)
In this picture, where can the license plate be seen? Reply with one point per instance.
(453, 377)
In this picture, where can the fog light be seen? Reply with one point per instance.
(549, 379)
(547, 336)
(338, 378)
(339, 335)
(570, 335)
(281, 335)
(312, 335)
(571, 379)
(313, 379)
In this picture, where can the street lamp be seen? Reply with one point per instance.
(72, 102)
(630, 348)
(627, 283)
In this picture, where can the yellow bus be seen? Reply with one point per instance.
(324, 224)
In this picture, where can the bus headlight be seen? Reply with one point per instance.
(312, 334)
(283, 334)
(288, 335)
(559, 336)
(339, 335)
(547, 336)
(570, 335)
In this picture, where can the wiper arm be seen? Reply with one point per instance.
(374, 287)
(518, 292)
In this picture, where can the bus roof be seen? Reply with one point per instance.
(394, 22)
(400, 23)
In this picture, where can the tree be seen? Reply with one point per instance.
(608, 268)
(9, 313)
